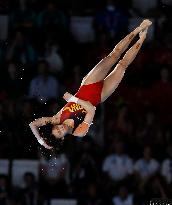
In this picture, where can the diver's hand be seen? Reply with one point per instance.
(67, 96)
(44, 144)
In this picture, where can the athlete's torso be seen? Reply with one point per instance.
(73, 111)
(91, 93)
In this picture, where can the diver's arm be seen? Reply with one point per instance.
(41, 122)
(83, 128)
(35, 129)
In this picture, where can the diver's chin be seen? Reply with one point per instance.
(59, 137)
(68, 129)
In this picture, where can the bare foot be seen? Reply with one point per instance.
(145, 24)
(143, 33)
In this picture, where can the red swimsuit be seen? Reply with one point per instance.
(92, 93)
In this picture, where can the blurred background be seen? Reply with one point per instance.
(46, 48)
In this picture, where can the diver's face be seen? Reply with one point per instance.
(59, 131)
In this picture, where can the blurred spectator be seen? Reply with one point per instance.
(55, 175)
(163, 53)
(91, 196)
(84, 171)
(74, 82)
(159, 143)
(53, 58)
(123, 197)
(163, 85)
(4, 190)
(44, 86)
(146, 166)
(147, 128)
(27, 110)
(123, 123)
(23, 16)
(155, 188)
(30, 194)
(27, 115)
(166, 169)
(21, 49)
(100, 49)
(4, 6)
(144, 8)
(4, 19)
(3, 127)
(118, 165)
(111, 19)
(164, 82)
(150, 118)
(13, 82)
(52, 20)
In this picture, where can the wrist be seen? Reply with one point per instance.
(89, 124)
(41, 141)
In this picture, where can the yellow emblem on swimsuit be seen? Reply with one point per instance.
(74, 107)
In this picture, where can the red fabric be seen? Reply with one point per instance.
(91, 92)
(71, 110)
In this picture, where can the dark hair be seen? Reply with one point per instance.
(57, 144)
(50, 139)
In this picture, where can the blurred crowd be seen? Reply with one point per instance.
(40, 59)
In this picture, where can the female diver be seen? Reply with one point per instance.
(77, 115)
